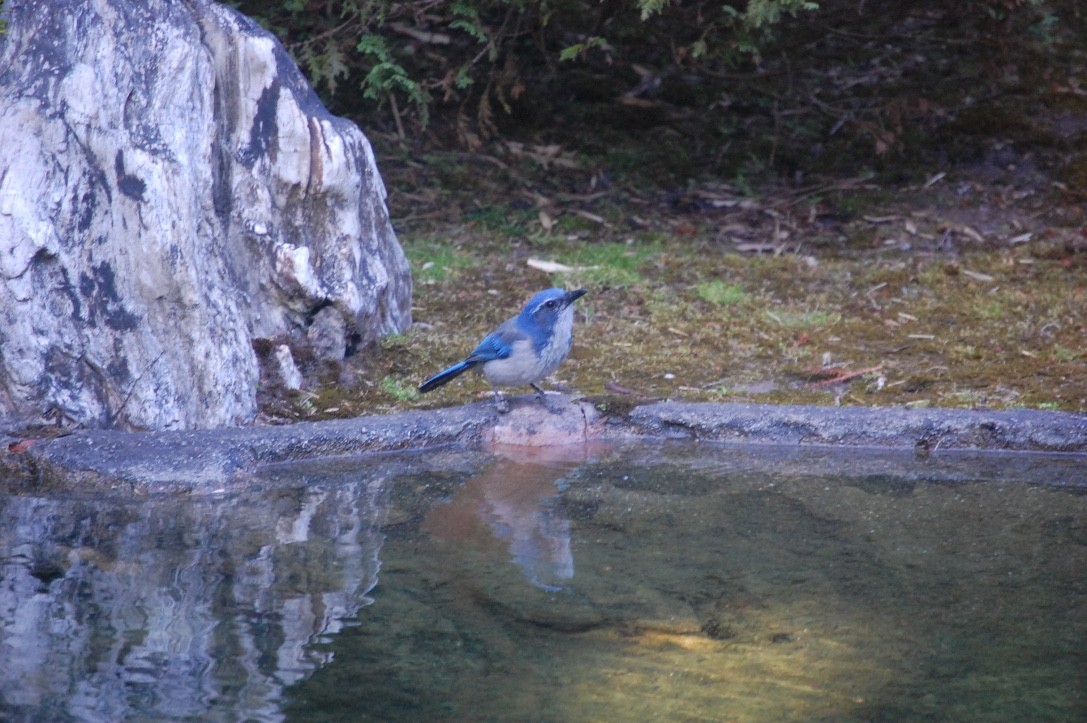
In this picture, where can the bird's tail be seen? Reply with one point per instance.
(446, 375)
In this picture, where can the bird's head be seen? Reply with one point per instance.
(546, 308)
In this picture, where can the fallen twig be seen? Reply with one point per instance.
(846, 376)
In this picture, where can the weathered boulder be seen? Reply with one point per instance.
(171, 189)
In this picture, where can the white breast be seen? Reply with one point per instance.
(556, 351)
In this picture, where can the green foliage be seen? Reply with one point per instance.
(475, 55)
(577, 50)
(387, 76)
(761, 13)
(458, 51)
(466, 18)
(757, 14)
(651, 7)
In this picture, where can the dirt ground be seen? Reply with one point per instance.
(868, 220)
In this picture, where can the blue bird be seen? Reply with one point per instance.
(524, 349)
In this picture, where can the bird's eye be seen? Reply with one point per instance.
(550, 304)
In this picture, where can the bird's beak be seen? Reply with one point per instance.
(572, 296)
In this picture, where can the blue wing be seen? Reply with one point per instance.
(496, 345)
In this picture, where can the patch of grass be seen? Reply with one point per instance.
(721, 293)
(993, 310)
(433, 261)
(624, 160)
(502, 220)
(394, 341)
(607, 264)
(1063, 354)
(968, 398)
(541, 239)
(402, 390)
(571, 224)
(799, 319)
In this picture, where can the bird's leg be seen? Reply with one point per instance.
(499, 403)
(542, 396)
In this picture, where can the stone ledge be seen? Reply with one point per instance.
(207, 461)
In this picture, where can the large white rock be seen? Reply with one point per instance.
(171, 189)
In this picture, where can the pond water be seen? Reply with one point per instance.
(670, 582)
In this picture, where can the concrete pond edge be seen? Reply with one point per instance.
(216, 460)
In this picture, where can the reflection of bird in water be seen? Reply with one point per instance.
(516, 498)
(537, 534)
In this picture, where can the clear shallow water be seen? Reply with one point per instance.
(676, 582)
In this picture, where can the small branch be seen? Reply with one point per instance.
(422, 36)
(325, 34)
(846, 376)
(396, 116)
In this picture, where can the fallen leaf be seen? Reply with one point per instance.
(591, 217)
(971, 233)
(757, 248)
(934, 179)
(549, 267)
(977, 275)
(546, 221)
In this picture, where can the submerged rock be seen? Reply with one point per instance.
(170, 190)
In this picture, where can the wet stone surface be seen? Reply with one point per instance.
(206, 460)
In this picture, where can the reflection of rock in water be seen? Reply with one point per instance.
(178, 607)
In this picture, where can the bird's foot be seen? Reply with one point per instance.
(501, 404)
(542, 396)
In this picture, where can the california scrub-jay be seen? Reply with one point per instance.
(524, 349)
